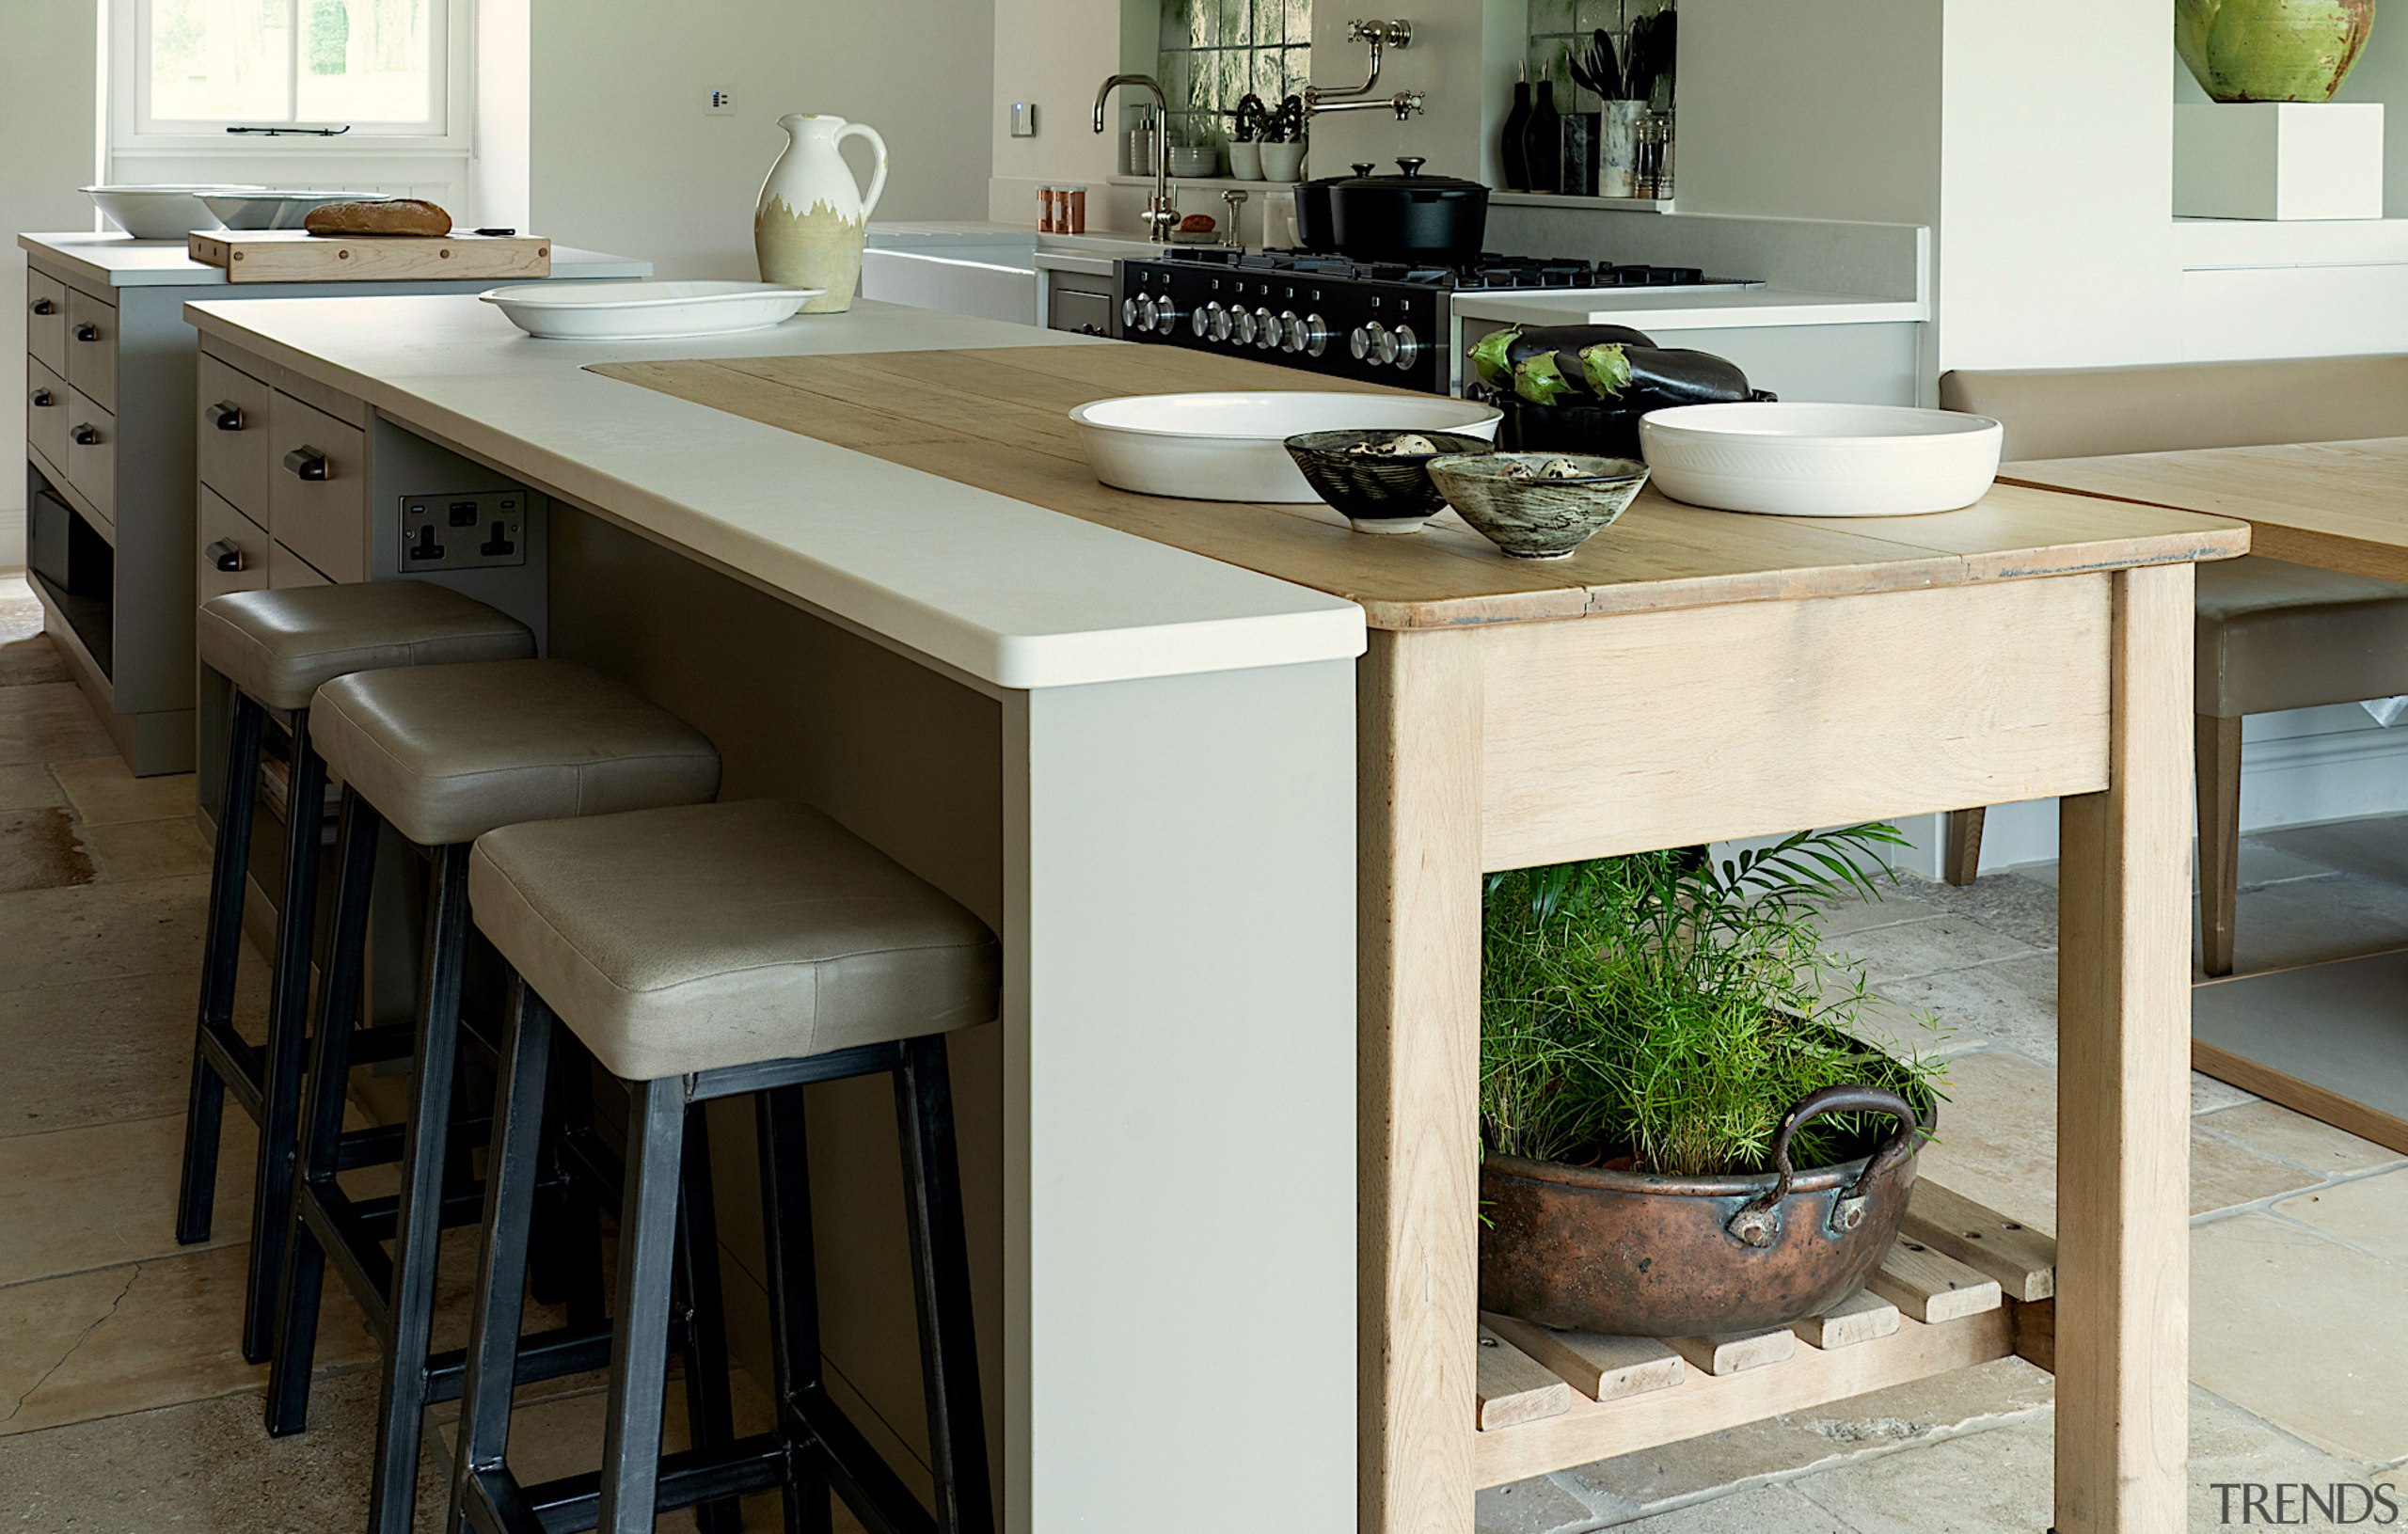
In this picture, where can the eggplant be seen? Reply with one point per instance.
(1655, 377)
(1496, 355)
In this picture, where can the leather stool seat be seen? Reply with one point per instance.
(448, 753)
(711, 935)
(280, 646)
(2275, 635)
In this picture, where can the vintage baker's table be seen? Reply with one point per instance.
(1688, 677)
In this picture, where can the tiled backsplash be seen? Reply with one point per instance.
(1214, 52)
(1561, 31)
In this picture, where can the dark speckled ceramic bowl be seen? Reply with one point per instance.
(1534, 518)
(1377, 492)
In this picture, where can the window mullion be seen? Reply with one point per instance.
(293, 60)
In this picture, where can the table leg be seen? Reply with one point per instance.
(1418, 740)
(2123, 1093)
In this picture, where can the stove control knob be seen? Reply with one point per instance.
(1166, 316)
(1267, 329)
(1220, 319)
(1200, 323)
(1367, 342)
(1310, 335)
(1147, 310)
(1242, 324)
(1130, 311)
(1404, 347)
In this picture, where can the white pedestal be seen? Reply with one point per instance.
(2278, 160)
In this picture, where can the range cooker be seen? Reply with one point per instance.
(1327, 314)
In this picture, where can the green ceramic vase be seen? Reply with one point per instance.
(2272, 50)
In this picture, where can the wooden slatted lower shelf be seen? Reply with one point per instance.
(1539, 1407)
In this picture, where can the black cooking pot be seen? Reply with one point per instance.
(1314, 230)
(1409, 217)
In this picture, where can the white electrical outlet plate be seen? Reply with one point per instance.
(1023, 119)
(719, 103)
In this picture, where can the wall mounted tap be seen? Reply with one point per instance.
(1379, 37)
(1405, 103)
(1161, 215)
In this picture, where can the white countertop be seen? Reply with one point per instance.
(124, 261)
(1684, 309)
(1011, 594)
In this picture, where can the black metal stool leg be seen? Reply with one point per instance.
(940, 1277)
(303, 1278)
(417, 1230)
(205, 1111)
(580, 1264)
(639, 1348)
(710, 1412)
(288, 1010)
(513, 1169)
(794, 1296)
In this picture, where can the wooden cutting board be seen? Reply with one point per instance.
(298, 256)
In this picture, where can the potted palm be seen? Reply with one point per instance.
(1680, 1135)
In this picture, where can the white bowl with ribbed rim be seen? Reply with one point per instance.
(1233, 446)
(1802, 459)
(645, 309)
(162, 210)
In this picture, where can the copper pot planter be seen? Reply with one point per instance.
(1633, 1254)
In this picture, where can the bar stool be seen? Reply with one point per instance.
(442, 755)
(707, 952)
(276, 648)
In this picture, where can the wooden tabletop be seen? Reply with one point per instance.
(2341, 505)
(997, 418)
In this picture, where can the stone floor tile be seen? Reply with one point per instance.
(105, 1194)
(1767, 1510)
(2371, 1213)
(2295, 1137)
(2209, 1095)
(104, 791)
(2226, 1173)
(148, 1333)
(38, 850)
(2013, 904)
(98, 931)
(146, 849)
(31, 662)
(2373, 847)
(49, 722)
(28, 785)
(1997, 1482)
(2311, 920)
(1888, 1026)
(1925, 946)
(102, 1050)
(209, 1466)
(2303, 1332)
(1899, 902)
(2266, 860)
(2013, 1002)
(1536, 1506)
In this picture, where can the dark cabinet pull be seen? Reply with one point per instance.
(227, 414)
(87, 435)
(87, 331)
(224, 556)
(44, 305)
(307, 462)
(43, 399)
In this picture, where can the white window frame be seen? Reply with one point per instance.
(449, 132)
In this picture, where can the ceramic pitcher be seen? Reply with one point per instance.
(814, 218)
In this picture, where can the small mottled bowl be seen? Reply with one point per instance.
(1377, 492)
(1538, 519)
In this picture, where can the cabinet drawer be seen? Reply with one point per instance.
(46, 320)
(91, 347)
(286, 570)
(1082, 312)
(227, 536)
(231, 441)
(91, 454)
(317, 496)
(46, 415)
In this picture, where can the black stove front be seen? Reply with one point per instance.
(1392, 323)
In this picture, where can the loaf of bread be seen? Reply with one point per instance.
(400, 215)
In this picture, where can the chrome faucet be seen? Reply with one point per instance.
(1162, 216)
(1379, 37)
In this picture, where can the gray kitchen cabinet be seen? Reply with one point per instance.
(122, 425)
(1081, 303)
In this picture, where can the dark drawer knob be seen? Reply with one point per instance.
(307, 463)
(224, 556)
(44, 305)
(87, 331)
(227, 414)
(86, 437)
(43, 399)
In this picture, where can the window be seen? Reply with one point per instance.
(1215, 52)
(195, 69)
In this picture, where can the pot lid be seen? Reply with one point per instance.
(1411, 180)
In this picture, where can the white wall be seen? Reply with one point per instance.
(49, 115)
(625, 159)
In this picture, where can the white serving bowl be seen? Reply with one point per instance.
(646, 311)
(1788, 459)
(277, 210)
(159, 212)
(1233, 446)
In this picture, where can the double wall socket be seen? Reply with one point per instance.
(469, 530)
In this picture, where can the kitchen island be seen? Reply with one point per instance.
(1134, 735)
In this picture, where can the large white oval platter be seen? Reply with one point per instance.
(1228, 447)
(646, 311)
(1785, 459)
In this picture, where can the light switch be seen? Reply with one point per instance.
(1023, 119)
(721, 104)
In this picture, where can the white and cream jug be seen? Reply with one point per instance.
(814, 218)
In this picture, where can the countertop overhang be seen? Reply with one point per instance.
(1010, 593)
(1684, 309)
(122, 261)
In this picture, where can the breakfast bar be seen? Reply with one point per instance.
(1226, 779)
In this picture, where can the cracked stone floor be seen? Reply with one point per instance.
(125, 1408)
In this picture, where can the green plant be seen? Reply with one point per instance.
(1667, 1008)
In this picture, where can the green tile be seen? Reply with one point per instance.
(1551, 18)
